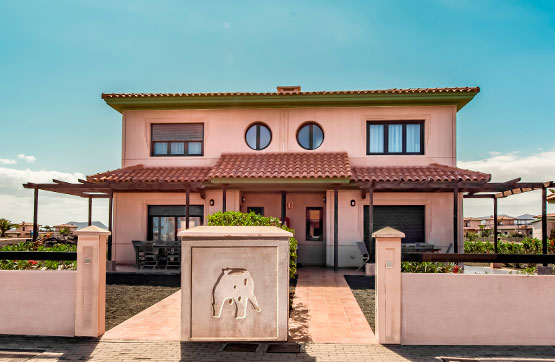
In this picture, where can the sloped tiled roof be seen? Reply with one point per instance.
(282, 165)
(551, 197)
(432, 172)
(347, 92)
(140, 173)
(318, 165)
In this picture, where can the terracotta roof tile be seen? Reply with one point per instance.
(432, 172)
(551, 197)
(307, 165)
(140, 173)
(300, 93)
(289, 166)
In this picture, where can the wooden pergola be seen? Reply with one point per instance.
(490, 190)
(105, 190)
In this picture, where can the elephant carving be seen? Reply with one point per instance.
(234, 285)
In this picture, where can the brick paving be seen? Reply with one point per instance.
(159, 322)
(325, 310)
(15, 348)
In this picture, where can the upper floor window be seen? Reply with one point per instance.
(258, 136)
(177, 139)
(401, 138)
(310, 136)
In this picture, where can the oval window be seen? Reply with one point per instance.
(258, 136)
(310, 136)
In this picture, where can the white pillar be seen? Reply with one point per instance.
(90, 306)
(388, 285)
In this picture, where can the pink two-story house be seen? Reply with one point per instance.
(317, 160)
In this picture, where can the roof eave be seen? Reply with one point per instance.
(460, 99)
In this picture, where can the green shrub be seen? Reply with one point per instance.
(472, 236)
(236, 218)
(428, 267)
(37, 264)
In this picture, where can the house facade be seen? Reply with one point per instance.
(316, 160)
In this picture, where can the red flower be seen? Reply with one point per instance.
(33, 262)
(456, 269)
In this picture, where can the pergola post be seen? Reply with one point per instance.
(283, 206)
(495, 225)
(110, 211)
(224, 198)
(187, 205)
(35, 214)
(544, 220)
(335, 228)
(90, 211)
(456, 218)
(370, 224)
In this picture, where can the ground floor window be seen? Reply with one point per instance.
(314, 223)
(165, 221)
(256, 209)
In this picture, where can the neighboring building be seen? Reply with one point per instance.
(316, 160)
(23, 230)
(70, 227)
(551, 198)
(537, 225)
(505, 224)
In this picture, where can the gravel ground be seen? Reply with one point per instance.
(363, 289)
(124, 301)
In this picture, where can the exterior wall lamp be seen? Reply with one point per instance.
(353, 203)
(211, 202)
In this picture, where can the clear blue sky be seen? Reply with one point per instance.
(57, 57)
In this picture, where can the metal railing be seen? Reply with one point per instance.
(38, 255)
(480, 258)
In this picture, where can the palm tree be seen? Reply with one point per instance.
(5, 225)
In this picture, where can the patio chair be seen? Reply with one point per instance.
(173, 256)
(145, 255)
(365, 255)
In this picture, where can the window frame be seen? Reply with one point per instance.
(307, 222)
(257, 125)
(150, 223)
(386, 125)
(169, 142)
(256, 208)
(310, 135)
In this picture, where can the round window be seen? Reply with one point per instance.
(310, 136)
(258, 136)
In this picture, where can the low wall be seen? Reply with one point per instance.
(37, 302)
(12, 241)
(451, 309)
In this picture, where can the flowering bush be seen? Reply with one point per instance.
(37, 264)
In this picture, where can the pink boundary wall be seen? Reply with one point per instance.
(58, 302)
(453, 309)
(37, 302)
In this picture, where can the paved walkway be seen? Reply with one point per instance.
(160, 322)
(44, 349)
(324, 311)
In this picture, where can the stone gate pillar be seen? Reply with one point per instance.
(90, 306)
(388, 285)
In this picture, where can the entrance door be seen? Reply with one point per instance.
(408, 219)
